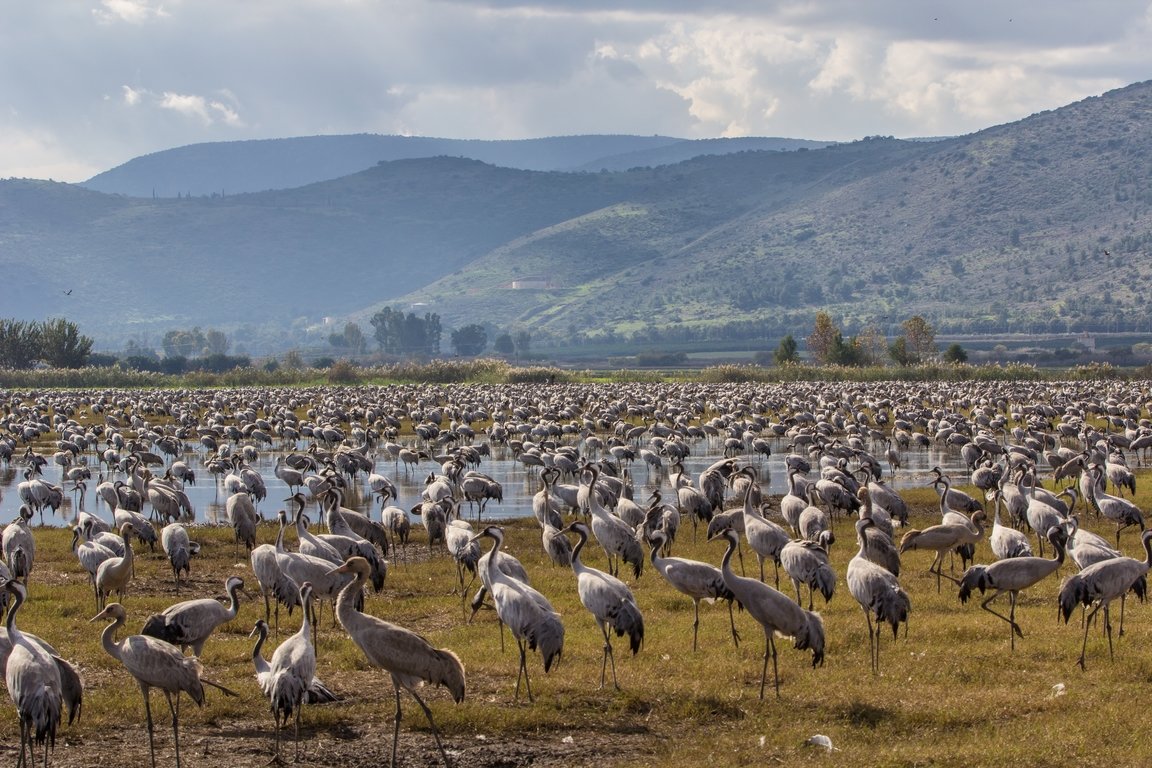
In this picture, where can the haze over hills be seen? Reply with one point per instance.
(1039, 225)
(225, 168)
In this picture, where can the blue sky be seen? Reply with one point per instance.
(88, 84)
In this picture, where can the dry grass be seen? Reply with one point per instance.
(949, 694)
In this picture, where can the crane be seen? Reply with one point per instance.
(1012, 575)
(610, 602)
(33, 682)
(155, 664)
(877, 591)
(1103, 582)
(697, 580)
(289, 677)
(406, 656)
(775, 612)
(943, 538)
(530, 617)
(190, 623)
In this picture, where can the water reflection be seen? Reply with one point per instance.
(519, 482)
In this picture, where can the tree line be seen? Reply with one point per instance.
(57, 343)
(827, 345)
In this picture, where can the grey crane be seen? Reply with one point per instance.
(765, 537)
(307, 542)
(406, 656)
(1012, 575)
(289, 677)
(190, 623)
(242, 514)
(556, 545)
(1085, 547)
(33, 682)
(19, 545)
(155, 664)
(610, 602)
(806, 562)
(90, 554)
(775, 612)
(179, 549)
(615, 536)
(317, 692)
(876, 541)
(299, 568)
(275, 587)
(942, 538)
(114, 573)
(1005, 541)
(697, 580)
(529, 616)
(506, 564)
(72, 687)
(1120, 511)
(878, 592)
(1103, 582)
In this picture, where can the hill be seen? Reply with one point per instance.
(227, 168)
(1039, 225)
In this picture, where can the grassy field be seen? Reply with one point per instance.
(950, 693)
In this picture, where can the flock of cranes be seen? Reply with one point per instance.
(585, 494)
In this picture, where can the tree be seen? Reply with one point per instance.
(920, 338)
(61, 344)
(469, 340)
(899, 352)
(872, 346)
(523, 342)
(955, 354)
(182, 343)
(215, 342)
(823, 338)
(786, 352)
(354, 338)
(504, 344)
(400, 334)
(19, 344)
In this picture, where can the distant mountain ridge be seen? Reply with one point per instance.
(1044, 224)
(226, 168)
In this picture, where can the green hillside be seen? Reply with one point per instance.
(1039, 225)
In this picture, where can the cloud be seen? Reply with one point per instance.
(112, 79)
(130, 11)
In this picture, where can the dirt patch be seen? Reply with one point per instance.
(241, 745)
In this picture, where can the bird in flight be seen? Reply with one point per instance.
(68, 292)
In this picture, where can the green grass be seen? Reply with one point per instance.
(950, 693)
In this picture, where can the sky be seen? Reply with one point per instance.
(86, 85)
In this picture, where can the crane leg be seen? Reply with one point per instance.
(608, 655)
(1014, 628)
(695, 623)
(148, 717)
(175, 710)
(732, 623)
(396, 724)
(1108, 629)
(299, 706)
(873, 642)
(1087, 623)
(431, 722)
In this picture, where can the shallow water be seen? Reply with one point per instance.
(519, 482)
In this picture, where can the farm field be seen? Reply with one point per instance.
(949, 692)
